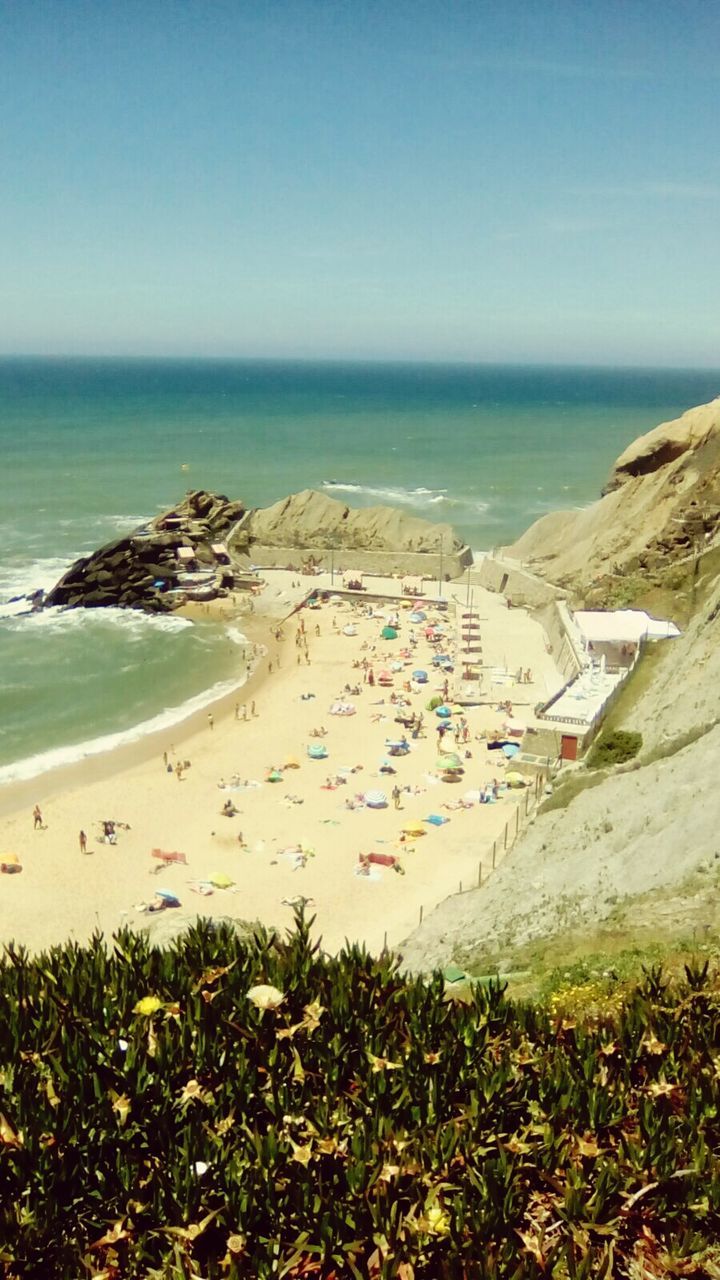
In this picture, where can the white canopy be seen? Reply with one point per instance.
(622, 626)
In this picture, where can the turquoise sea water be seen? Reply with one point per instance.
(91, 447)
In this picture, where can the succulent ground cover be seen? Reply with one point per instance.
(229, 1108)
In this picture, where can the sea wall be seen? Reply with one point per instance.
(517, 584)
(384, 563)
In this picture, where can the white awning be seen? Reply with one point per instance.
(622, 626)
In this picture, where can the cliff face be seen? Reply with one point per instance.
(659, 511)
(650, 826)
(311, 519)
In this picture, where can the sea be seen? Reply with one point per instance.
(92, 447)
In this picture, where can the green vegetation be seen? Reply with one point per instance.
(614, 746)
(566, 788)
(253, 1109)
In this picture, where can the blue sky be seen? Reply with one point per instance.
(506, 181)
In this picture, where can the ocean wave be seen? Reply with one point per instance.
(21, 579)
(458, 505)
(236, 635)
(45, 761)
(134, 622)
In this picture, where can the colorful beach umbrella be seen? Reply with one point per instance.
(389, 633)
(220, 880)
(443, 711)
(449, 761)
(376, 799)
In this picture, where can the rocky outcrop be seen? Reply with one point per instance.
(149, 570)
(659, 513)
(145, 570)
(312, 519)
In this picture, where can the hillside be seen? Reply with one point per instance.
(609, 838)
(659, 511)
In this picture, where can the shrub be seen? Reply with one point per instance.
(614, 747)
(252, 1109)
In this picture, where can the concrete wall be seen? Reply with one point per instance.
(422, 564)
(516, 584)
(560, 631)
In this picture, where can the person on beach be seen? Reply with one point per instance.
(165, 758)
(211, 720)
(237, 710)
(37, 818)
(253, 712)
(82, 840)
(178, 771)
(396, 796)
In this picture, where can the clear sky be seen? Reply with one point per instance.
(498, 180)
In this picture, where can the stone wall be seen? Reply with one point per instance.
(514, 582)
(385, 563)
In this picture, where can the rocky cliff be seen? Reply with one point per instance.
(146, 570)
(648, 826)
(312, 519)
(659, 512)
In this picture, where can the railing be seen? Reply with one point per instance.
(501, 845)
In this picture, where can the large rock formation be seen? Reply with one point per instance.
(145, 570)
(659, 512)
(312, 519)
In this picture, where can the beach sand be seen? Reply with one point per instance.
(63, 893)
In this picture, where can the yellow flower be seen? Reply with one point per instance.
(148, 1005)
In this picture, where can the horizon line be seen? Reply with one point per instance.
(406, 361)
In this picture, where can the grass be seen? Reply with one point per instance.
(664, 926)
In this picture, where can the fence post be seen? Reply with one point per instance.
(527, 802)
(494, 844)
(479, 873)
(421, 913)
(506, 831)
(517, 819)
(460, 889)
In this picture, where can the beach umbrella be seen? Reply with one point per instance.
(349, 630)
(385, 677)
(449, 761)
(443, 711)
(291, 763)
(434, 702)
(420, 676)
(514, 779)
(396, 666)
(414, 829)
(220, 880)
(510, 749)
(168, 896)
(274, 776)
(417, 616)
(376, 799)
(316, 752)
(389, 633)
(10, 859)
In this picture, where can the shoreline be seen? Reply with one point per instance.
(304, 837)
(21, 793)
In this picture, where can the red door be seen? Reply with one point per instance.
(568, 747)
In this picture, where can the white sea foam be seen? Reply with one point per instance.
(45, 761)
(134, 622)
(409, 497)
(17, 580)
(236, 635)
(420, 497)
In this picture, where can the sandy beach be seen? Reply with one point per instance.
(301, 835)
